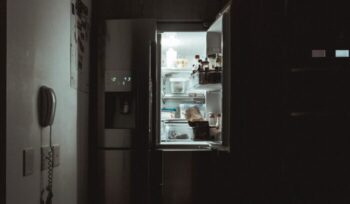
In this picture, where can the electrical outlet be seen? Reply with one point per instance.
(45, 155)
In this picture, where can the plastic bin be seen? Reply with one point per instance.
(178, 131)
(178, 85)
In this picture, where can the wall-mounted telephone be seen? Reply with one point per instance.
(47, 110)
(47, 106)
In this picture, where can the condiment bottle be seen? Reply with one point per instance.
(206, 64)
(218, 120)
(196, 62)
(212, 119)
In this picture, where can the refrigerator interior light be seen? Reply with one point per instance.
(170, 40)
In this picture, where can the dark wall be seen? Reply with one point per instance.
(275, 157)
(318, 24)
(290, 132)
(2, 101)
(251, 173)
(204, 10)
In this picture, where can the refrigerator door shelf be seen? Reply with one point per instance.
(195, 85)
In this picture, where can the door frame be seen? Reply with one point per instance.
(3, 68)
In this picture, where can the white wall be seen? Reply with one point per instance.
(38, 53)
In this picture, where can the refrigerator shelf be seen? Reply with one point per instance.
(175, 120)
(207, 87)
(187, 146)
(200, 99)
(168, 70)
(190, 142)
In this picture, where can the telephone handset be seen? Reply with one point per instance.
(47, 105)
(47, 110)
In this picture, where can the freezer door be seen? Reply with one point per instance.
(116, 138)
(124, 174)
(114, 169)
(124, 159)
(127, 54)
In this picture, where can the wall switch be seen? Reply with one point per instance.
(28, 162)
(45, 156)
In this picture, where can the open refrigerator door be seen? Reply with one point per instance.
(192, 89)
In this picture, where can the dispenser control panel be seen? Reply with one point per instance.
(118, 81)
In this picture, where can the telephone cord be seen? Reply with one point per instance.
(49, 173)
(50, 163)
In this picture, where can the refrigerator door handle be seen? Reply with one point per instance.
(152, 94)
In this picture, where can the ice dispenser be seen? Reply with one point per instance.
(119, 103)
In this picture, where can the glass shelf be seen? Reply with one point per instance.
(206, 87)
(183, 97)
(175, 120)
(169, 70)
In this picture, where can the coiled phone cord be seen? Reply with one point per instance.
(49, 173)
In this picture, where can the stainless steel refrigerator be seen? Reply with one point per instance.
(162, 87)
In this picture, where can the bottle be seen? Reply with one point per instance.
(205, 64)
(218, 121)
(171, 57)
(200, 65)
(212, 119)
(218, 61)
(196, 62)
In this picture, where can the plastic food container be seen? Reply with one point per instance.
(168, 113)
(184, 107)
(178, 131)
(178, 85)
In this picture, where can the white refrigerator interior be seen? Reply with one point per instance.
(191, 87)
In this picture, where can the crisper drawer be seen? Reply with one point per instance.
(116, 138)
(178, 132)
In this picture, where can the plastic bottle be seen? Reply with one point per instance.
(212, 119)
(218, 120)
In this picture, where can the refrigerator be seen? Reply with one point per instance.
(162, 87)
(191, 86)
